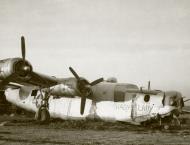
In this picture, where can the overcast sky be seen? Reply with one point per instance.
(132, 40)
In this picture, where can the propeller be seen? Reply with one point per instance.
(84, 87)
(23, 68)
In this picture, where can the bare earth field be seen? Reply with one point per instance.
(24, 130)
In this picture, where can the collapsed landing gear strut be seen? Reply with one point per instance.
(42, 115)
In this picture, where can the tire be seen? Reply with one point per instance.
(166, 127)
(44, 116)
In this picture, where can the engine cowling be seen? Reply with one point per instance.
(61, 90)
(22, 69)
(14, 66)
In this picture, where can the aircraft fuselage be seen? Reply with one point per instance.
(134, 110)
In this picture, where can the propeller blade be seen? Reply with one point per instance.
(23, 48)
(148, 85)
(97, 81)
(74, 73)
(186, 100)
(82, 105)
(182, 103)
(84, 88)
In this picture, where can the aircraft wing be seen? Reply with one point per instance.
(150, 92)
(186, 110)
(35, 79)
(43, 80)
(12, 86)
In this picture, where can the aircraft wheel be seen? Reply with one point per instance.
(166, 127)
(37, 115)
(44, 116)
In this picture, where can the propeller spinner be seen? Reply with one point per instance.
(84, 88)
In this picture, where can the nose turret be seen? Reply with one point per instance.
(174, 99)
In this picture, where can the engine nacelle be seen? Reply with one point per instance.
(14, 66)
(62, 90)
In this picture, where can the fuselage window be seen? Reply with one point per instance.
(34, 92)
(146, 98)
(119, 96)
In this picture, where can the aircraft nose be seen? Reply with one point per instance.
(174, 99)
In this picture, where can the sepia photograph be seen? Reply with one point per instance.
(94, 72)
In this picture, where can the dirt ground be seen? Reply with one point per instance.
(21, 129)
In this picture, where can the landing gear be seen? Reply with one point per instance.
(170, 122)
(42, 115)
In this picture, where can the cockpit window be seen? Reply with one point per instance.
(146, 98)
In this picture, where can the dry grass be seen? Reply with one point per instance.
(24, 130)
